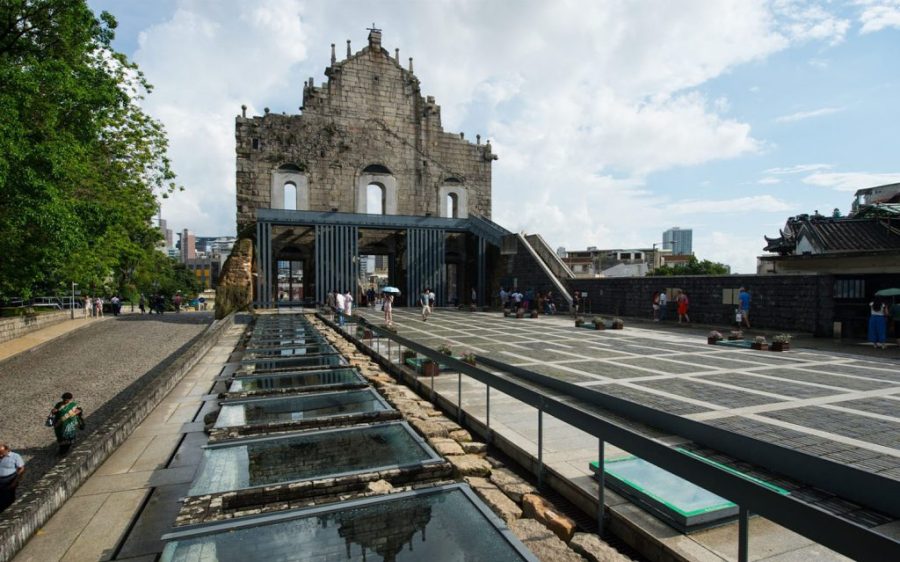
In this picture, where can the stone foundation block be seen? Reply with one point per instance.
(544, 512)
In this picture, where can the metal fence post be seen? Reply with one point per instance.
(743, 534)
(459, 397)
(540, 474)
(487, 413)
(601, 486)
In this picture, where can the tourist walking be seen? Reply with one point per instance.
(370, 298)
(387, 305)
(98, 307)
(877, 323)
(11, 468)
(744, 297)
(114, 302)
(86, 306)
(684, 304)
(142, 304)
(663, 303)
(339, 307)
(504, 298)
(654, 302)
(176, 300)
(66, 419)
(425, 303)
(576, 303)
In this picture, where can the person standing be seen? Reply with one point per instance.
(684, 304)
(504, 298)
(67, 420)
(474, 296)
(86, 306)
(370, 298)
(425, 303)
(142, 304)
(663, 302)
(877, 323)
(115, 305)
(744, 297)
(98, 307)
(339, 307)
(11, 469)
(387, 305)
(348, 303)
(654, 301)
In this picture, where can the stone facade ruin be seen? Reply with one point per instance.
(367, 124)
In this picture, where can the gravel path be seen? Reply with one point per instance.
(102, 365)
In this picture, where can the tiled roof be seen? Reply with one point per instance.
(831, 235)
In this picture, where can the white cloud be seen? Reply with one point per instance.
(581, 108)
(797, 169)
(879, 15)
(738, 251)
(769, 181)
(805, 21)
(801, 115)
(755, 203)
(851, 181)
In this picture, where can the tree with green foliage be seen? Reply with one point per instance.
(692, 267)
(81, 164)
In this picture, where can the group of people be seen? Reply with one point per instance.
(156, 303)
(66, 418)
(340, 303)
(659, 303)
(879, 316)
(541, 301)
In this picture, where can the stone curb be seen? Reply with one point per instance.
(38, 505)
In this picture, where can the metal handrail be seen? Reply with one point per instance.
(823, 527)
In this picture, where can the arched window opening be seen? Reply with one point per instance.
(375, 199)
(452, 206)
(290, 196)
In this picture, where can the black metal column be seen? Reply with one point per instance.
(425, 253)
(337, 260)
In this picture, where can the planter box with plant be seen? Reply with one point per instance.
(520, 313)
(579, 322)
(735, 335)
(598, 323)
(760, 343)
(713, 337)
(468, 357)
(618, 324)
(534, 313)
(781, 342)
(445, 349)
(430, 368)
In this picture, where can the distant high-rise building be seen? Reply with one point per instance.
(679, 240)
(166, 233)
(188, 246)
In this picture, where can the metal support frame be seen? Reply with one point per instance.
(828, 529)
(459, 411)
(337, 259)
(264, 264)
(425, 264)
(480, 289)
(487, 411)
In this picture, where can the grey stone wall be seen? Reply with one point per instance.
(12, 328)
(800, 303)
(369, 112)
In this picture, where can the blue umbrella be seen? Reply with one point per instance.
(391, 290)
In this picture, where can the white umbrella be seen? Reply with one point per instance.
(391, 290)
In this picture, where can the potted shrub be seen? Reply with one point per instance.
(506, 313)
(618, 324)
(445, 349)
(534, 313)
(407, 355)
(735, 335)
(713, 337)
(598, 323)
(520, 313)
(430, 368)
(781, 342)
(468, 357)
(760, 343)
(579, 321)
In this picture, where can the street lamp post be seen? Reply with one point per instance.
(72, 304)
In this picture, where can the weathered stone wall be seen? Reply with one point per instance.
(370, 112)
(235, 289)
(12, 328)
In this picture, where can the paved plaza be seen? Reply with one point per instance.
(827, 404)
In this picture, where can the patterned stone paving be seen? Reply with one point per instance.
(837, 406)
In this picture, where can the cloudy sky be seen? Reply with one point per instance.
(613, 120)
